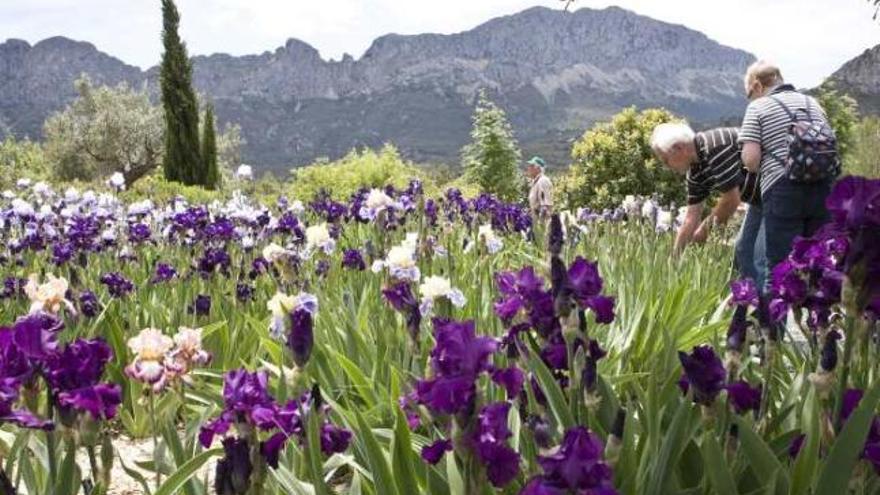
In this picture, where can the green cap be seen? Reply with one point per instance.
(537, 161)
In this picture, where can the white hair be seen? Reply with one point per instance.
(666, 136)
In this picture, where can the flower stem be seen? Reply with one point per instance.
(50, 445)
(93, 462)
(154, 430)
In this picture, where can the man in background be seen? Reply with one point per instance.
(710, 162)
(793, 205)
(541, 190)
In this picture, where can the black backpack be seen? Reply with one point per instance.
(812, 146)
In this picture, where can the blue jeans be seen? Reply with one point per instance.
(791, 210)
(749, 253)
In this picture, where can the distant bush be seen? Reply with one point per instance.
(366, 168)
(843, 115)
(614, 159)
(157, 189)
(865, 156)
(21, 159)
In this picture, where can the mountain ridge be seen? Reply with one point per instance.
(554, 72)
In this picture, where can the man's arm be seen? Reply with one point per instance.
(726, 207)
(751, 156)
(686, 232)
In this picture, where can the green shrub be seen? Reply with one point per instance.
(843, 115)
(366, 168)
(156, 188)
(864, 159)
(21, 159)
(614, 159)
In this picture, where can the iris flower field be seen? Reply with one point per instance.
(400, 344)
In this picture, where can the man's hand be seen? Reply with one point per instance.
(702, 232)
(686, 231)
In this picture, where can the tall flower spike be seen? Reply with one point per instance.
(555, 237)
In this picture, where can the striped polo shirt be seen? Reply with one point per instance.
(767, 123)
(719, 167)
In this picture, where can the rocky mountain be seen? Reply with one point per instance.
(554, 72)
(860, 78)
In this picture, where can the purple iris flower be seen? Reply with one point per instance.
(517, 289)
(854, 203)
(74, 375)
(577, 467)
(36, 335)
(457, 358)
(586, 285)
(101, 401)
(512, 379)
(744, 292)
(164, 272)
(334, 439)
(138, 233)
(704, 372)
(738, 330)
(259, 266)
(434, 452)
(402, 299)
(490, 443)
(301, 338)
(117, 285)
(353, 260)
(88, 304)
(322, 267)
(201, 306)
(62, 252)
(12, 287)
(744, 397)
(214, 260)
(233, 472)
(21, 417)
(244, 292)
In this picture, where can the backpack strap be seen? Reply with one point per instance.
(788, 111)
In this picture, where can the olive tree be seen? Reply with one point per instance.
(105, 130)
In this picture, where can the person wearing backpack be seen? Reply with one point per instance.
(786, 137)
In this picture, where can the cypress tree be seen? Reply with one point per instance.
(491, 159)
(182, 162)
(209, 151)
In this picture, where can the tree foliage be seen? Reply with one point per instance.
(614, 159)
(209, 152)
(366, 168)
(491, 160)
(864, 159)
(843, 115)
(21, 159)
(104, 130)
(182, 154)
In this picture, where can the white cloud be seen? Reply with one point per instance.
(808, 38)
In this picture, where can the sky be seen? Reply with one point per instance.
(809, 39)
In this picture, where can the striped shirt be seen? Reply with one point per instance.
(768, 124)
(719, 167)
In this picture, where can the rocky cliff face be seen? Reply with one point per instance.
(554, 72)
(860, 78)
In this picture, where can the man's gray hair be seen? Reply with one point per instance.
(666, 136)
